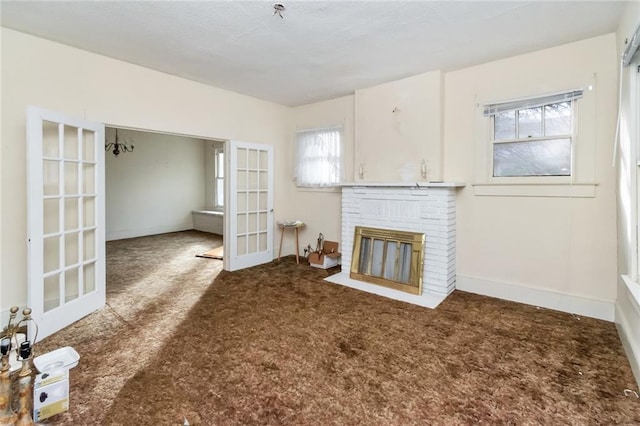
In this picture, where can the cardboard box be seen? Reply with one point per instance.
(50, 394)
(327, 258)
(51, 386)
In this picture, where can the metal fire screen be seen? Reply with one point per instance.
(388, 258)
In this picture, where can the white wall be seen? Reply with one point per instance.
(627, 307)
(557, 252)
(553, 248)
(553, 251)
(319, 209)
(154, 188)
(399, 125)
(57, 77)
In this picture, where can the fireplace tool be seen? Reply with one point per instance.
(7, 415)
(320, 244)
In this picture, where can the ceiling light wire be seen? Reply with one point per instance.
(278, 8)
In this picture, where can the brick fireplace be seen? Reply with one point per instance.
(429, 208)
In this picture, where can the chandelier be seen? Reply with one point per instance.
(118, 146)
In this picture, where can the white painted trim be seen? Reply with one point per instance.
(419, 184)
(565, 302)
(629, 343)
(143, 232)
(628, 322)
(209, 212)
(579, 190)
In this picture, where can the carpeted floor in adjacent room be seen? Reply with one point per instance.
(275, 344)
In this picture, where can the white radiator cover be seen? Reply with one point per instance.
(427, 209)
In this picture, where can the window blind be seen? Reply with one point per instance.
(493, 109)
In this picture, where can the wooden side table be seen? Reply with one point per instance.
(290, 225)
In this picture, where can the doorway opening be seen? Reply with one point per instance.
(166, 183)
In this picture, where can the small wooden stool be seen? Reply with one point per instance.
(295, 226)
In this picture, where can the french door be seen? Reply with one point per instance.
(66, 226)
(249, 219)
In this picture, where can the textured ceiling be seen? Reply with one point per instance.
(319, 49)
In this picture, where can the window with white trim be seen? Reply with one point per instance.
(533, 137)
(218, 155)
(632, 86)
(319, 157)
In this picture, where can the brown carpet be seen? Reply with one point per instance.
(216, 253)
(275, 344)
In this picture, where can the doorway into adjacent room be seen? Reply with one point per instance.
(163, 183)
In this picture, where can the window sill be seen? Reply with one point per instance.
(569, 190)
(634, 291)
(215, 212)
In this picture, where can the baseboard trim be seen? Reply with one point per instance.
(628, 324)
(134, 233)
(631, 349)
(570, 303)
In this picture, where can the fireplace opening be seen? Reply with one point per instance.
(388, 258)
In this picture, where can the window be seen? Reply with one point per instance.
(533, 137)
(218, 155)
(319, 157)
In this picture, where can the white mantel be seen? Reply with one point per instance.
(418, 184)
(428, 207)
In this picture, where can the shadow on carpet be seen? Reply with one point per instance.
(275, 344)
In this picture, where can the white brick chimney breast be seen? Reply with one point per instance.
(428, 208)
